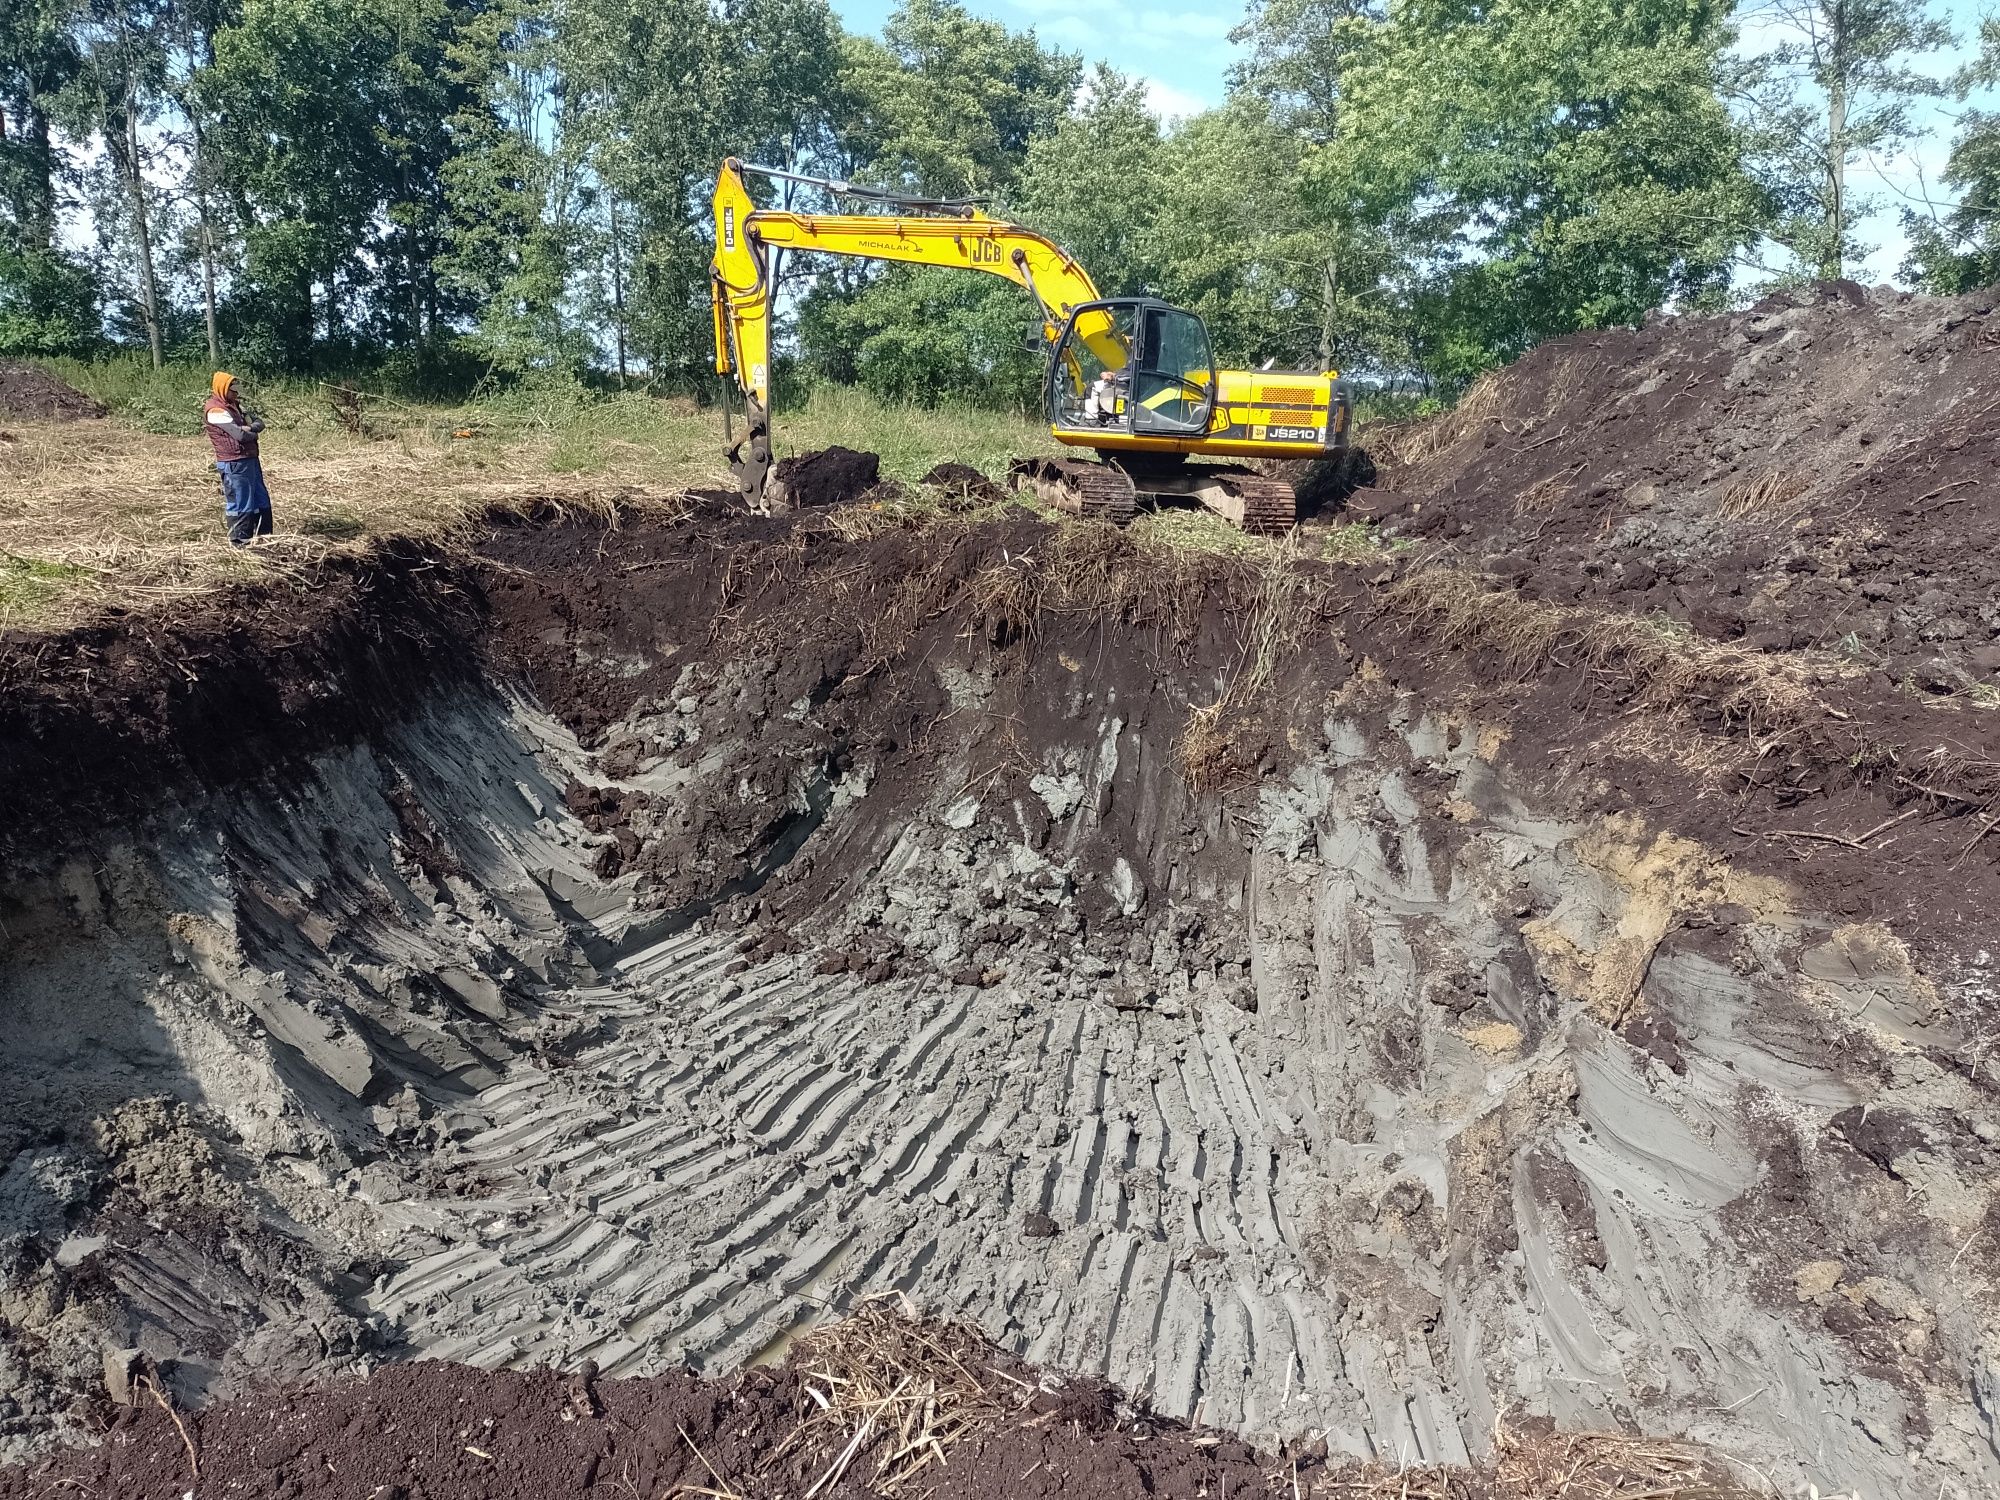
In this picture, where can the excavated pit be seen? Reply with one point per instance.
(637, 946)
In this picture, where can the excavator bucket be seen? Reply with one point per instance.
(750, 458)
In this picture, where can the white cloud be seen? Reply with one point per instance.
(1171, 103)
(1199, 25)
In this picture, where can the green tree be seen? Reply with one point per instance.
(1092, 183)
(1541, 166)
(116, 93)
(673, 88)
(330, 138)
(946, 103)
(511, 188)
(1295, 54)
(1956, 247)
(1837, 85)
(48, 301)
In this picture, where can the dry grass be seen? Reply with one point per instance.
(1667, 663)
(1767, 495)
(1555, 1466)
(1419, 442)
(902, 1391)
(100, 514)
(1273, 629)
(1206, 751)
(892, 1396)
(108, 512)
(1547, 493)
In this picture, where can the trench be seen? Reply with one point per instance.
(1371, 1098)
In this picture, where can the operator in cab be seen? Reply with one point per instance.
(246, 503)
(1107, 392)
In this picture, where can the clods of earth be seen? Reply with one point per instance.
(30, 394)
(880, 1000)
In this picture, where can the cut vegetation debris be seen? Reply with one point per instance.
(870, 1406)
(130, 511)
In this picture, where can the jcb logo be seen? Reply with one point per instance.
(983, 253)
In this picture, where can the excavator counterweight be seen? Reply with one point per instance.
(1131, 378)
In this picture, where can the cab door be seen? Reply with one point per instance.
(1090, 371)
(1173, 384)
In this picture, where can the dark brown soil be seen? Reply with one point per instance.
(32, 394)
(449, 1432)
(1820, 470)
(963, 483)
(832, 476)
(104, 721)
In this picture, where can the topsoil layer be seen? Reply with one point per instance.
(35, 395)
(962, 1421)
(1857, 787)
(1818, 470)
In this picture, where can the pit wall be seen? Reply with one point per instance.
(1363, 1096)
(230, 1038)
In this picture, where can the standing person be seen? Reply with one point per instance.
(246, 504)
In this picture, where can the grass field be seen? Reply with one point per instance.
(128, 510)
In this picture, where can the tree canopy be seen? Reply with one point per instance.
(507, 189)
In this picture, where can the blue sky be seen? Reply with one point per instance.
(1183, 53)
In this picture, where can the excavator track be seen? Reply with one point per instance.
(1250, 501)
(1095, 491)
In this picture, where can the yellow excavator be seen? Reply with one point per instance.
(1129, 377)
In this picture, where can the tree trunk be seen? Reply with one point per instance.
(1330, 273)
(207, 240)
(1832, 260)
(38, 205)
(617, 283)
(130, 164)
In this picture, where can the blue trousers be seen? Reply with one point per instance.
(245, 501)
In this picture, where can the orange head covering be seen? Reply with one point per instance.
(221, 382)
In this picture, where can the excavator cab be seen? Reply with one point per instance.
(1131, 366)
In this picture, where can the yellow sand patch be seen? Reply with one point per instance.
(1495, 1037)
(1597, 944)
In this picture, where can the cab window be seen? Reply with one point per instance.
(1173, 390)
(1090, 380)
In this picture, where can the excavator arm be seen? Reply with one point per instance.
(741, 285)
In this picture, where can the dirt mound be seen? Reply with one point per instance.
(832, 476)
(1818, 470)
(877, 1404)
(32, 394)
(963, 483)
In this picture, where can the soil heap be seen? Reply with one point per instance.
(1818, 470)
(30, 393)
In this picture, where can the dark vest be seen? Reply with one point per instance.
(228, 449)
